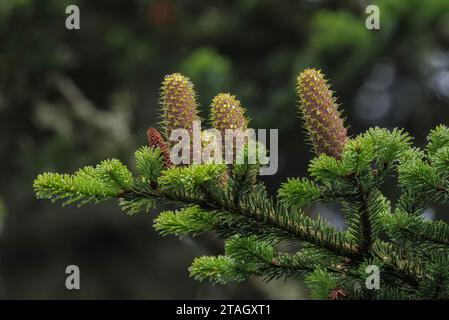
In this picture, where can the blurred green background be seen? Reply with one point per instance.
(70, 98)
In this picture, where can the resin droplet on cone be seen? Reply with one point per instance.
(320, 113)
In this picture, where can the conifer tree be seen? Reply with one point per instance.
(411, 253)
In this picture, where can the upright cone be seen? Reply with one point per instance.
(227, 113)
(179, 106)
(320, 113)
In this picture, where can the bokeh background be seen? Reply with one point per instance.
(70, 98)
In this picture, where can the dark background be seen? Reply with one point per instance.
(70, 98)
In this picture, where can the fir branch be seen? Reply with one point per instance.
(219, 269)
(411, 252)
(108, 180)
(418, 177)
(149, 162)
(406, 267)
(257, 213)
(321, 283)
(299, 193)
(190, 221)
(411, 227)
(438, 138)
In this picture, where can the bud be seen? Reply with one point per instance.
(179, 105)
(320, 113)
(155, 140)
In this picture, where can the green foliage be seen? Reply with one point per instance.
(137, 204)
(244, 174)
(149, 162)
(221, 269)
(388, 146)
(438, 138)
(411, 253)
(440, 161)
(107, 180)
(114, 175)
(190, 179)
(299, 192)
(320, 283)
(436, 280)
(249, 251)
(326, 169)
(363, 218)
(190, 221)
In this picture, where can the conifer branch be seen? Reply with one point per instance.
(411, 253)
